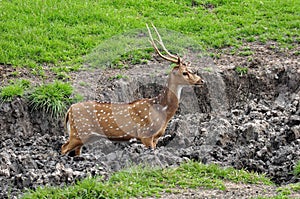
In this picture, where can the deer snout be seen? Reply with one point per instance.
(200, 82)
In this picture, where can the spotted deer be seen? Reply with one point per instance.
(144, 119)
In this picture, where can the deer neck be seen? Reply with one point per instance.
(169, 99)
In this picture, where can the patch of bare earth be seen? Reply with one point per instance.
(232, 191)
(35, 76)
(258, 56)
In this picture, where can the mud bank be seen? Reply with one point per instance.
(249, 121)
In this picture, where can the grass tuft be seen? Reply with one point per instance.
(297, 169)
(241, 70)
(15, 89)
(52, 98)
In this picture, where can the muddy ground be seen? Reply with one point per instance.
(247, 120)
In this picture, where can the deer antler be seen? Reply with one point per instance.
(162, 43)
(172, 58)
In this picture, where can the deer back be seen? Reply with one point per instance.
(119, 122)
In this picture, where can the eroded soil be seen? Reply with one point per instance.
(246, 120)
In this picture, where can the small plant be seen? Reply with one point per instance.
(284, 191)
(215, 55)
(60, 69)
(63, 76)
(246, 53)
(15, 73)
(241, 70)
(250, 39)
(83, 83)
(61, 72)
(15, 89)
(118, 76)
(38, 71)
(233, 51)
(52, 98)
(77, 98)
(297, 169)
(295, 187)
(297, 53)
(250, 59)
(208, 69)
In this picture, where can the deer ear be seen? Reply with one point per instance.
(188, 64)
(176, 69)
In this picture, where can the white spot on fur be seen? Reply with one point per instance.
(165, 108)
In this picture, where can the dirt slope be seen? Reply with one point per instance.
(246, 120)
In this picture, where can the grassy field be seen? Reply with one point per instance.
(56, 33)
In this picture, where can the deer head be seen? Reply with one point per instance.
(182, 74)
(144, 119)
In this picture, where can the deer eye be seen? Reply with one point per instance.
(185, 73)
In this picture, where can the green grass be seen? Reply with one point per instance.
(13, 90)
(297, 168)
(55, 33)
(138, 181)
(118, 76)
(52, 98)
(241, 70)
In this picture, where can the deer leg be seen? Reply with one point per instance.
(78, 151)
(72, 144)
(156, 137)
(148, 142)
(155, 140)
(64, 148)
